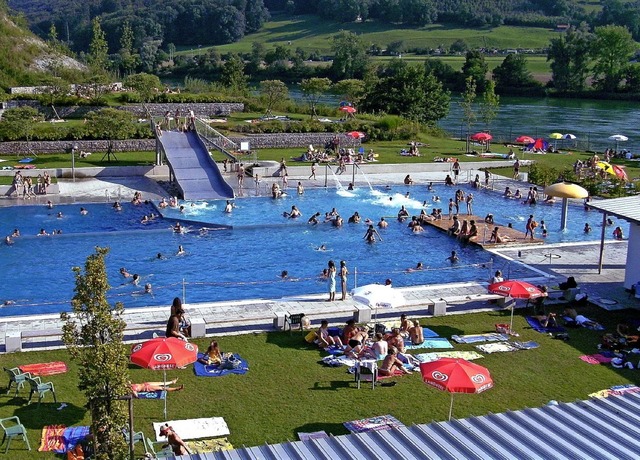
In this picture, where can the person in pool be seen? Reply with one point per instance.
(125, 273)
(313, 220)
(418, 267)
(293, 214)
(370, 235)
(181, 251)
(228, 207)
(453, 257)
(383, 223)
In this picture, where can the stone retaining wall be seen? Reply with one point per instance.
(289, 140)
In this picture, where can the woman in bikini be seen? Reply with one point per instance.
(391, 364)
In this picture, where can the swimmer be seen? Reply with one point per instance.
(313, 220)
(163, 203)
(136, 279)
(16, 233)
(177, 228)
(182, 210)
(181, 251)
(322, 247)
(145, 219)
(418, 267)
(370, 235)
(430, 186)
(453, 257)
(49, 204)
(8, 302)
(83, 212)
(117, 206)
(159, 256)
(587, 228)
(293, 214)
(300, 188)
(229, 207)
(147, 289)
(284, 275)
(43, 232)
(125, 273)
(383, 223)
(59, 216)
(436, 199)
(325, 274)
(8, 241)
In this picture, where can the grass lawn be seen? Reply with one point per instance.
(286, 390)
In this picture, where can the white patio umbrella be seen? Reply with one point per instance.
(618, 138)
(377, 295)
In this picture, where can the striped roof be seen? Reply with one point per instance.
(627, 208)
(599, 428)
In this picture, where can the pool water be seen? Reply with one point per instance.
(245, 262)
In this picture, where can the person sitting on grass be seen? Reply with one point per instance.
(391, 364)
(325, 340)
(547, 320)
(212, 355)
(416, 334)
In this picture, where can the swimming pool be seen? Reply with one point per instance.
(245, 262)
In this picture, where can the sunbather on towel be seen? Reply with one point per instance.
(582, 320)
(154, 386)
(547, 320)
(415, 333)
(325, 340)
(391, 363)
(212, 355)
(356, 343)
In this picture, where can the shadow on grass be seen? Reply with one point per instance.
(34, 417)
(329, 428)
(293, 341)
(333, 385)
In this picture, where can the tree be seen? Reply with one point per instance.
(54, 88)
(111, 124)
(349, 55)
(569, 56)
(144, 84)
(513, 73)
(312, 90)
(476, 68)
(98, 49)
(437, 100)
(611, 50)
(233, 74)
(128, 57)
(469, 115)
(489, 105)
(19, 123)
(351, 90)
(94, 335)
(274, 92)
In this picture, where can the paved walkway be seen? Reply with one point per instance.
(550, 264)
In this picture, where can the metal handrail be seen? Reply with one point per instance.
(216, 139)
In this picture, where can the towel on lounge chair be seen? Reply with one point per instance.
(52, 438)
(213, 370)
(437, 342)
(536, 326)
(42, 369)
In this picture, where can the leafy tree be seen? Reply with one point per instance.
(19, 123)
(111, 124)
(569, 56)
(128, 57)
(94, 336)
(352, 90)
(274, 92)
(612, 48)
(419, 12)
(258, 53)
(144, 84)
(458, 46)
(469, 115)
(312, 91)
(632, 78)
(349, 55)
(489, 105)
(437, 100)
(476, 68)
(513, 73)
(233, 75)
(446, 74)
(53, 34)
(98, 49)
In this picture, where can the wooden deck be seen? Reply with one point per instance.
(516, 237)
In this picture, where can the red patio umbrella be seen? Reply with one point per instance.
(482, 137)
(517, 290)
(456, 375)
(355, 134)
(348, 109)
(164, 353)
(525, 140)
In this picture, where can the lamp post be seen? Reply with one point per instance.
(74, 149)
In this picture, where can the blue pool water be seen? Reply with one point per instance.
(245, 262)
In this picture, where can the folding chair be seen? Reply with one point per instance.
(293, 320)
(367, 371)
(165, 452)
(16, 376)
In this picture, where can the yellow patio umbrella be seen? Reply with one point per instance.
(565, 190)
(613, 170)
(556, 136)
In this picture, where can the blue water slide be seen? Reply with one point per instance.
(194, 170)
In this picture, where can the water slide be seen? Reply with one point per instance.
(194, 170)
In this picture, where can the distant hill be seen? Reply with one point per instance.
(24, 58)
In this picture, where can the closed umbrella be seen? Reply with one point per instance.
(164, 353)
(516, 290)
(456, 375)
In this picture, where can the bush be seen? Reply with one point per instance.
(542, 175)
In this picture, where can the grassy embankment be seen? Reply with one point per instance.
(287, 391)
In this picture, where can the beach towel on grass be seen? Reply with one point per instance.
(203, 446)
(434, 356)
(525, 345)
(436, 342)
(213, 370)
(52, 438)
(496, 347)
(334, 350)
(536, 326)
(336, 361)
(157, 394)
(475, 338)
(616, 390)
(42, 369)
(598, 358)
(383, 422)
(72, 436)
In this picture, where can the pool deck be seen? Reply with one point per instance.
(552, 262)
(516, 237)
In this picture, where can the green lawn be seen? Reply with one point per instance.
(287, 390)
(310, 34)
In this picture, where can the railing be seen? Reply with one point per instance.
(216, 139)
